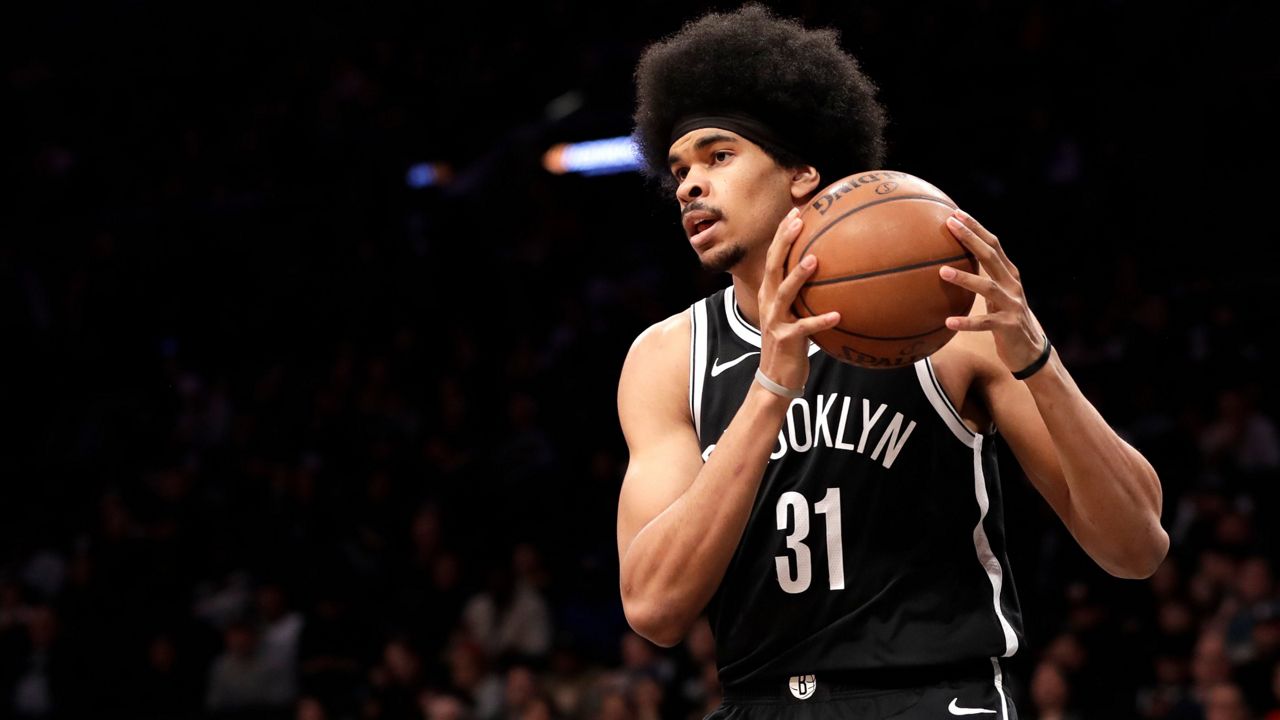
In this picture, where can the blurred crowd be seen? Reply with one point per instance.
(286, 439)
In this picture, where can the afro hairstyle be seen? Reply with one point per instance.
(797, 81)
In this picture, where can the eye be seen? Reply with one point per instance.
(716, 155)
(680, 173)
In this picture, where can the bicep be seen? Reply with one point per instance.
(664, 455)
(658, 473)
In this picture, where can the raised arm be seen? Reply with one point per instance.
(1105, 491)
(679, 519)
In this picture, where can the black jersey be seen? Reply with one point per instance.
(876, 539)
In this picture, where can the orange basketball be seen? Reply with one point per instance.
(880, 237)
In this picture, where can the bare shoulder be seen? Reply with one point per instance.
(656, 372)
(658, 337)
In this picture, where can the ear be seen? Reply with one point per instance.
(804, 182)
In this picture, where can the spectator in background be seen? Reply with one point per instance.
(470, 678)
(14, 611)
(15, 614)
(331, 651)
(529, 570)
(280, 633)
(1272, 703)
(1224, 701)
(700, 653)
(435, 706)
(1241, 444)
(1050, 693)
(568, 682)
(310, 708)
(1209, 669)
(1251, 600)
(242, 679)
(1066, 653)
(715, 693)
(1168, 691)
(1176, 625)
(641, 660)
(520, 691)
(396, 682)
(1208, 586)
(224, 603)
(613, 706)
(539, 708)
(510, 618)
(427, 586)
(163, 689)
(648, 698)
(1255, 677)
(37, 677)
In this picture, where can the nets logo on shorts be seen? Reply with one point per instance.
(802, 686)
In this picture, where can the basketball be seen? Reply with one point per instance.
(880, 238)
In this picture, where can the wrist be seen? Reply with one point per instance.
(789, 393)
(1036, 365)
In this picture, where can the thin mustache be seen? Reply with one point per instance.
(696, 206)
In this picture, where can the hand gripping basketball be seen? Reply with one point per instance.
(1019, 338)
(880, 237)
(784, 338)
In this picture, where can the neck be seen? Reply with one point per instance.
(748, 276)
(746, 288)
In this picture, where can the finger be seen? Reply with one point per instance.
(978, 228)
(794, 280)
(818, 323)
(977, 322)
(984, 286)
(786, 234)
(986, 254)
(986, 236)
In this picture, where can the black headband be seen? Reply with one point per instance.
(744, 125)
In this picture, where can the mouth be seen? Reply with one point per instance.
(696, 220)
(702, 232)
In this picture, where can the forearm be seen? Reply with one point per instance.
(675, 563)
(1115, 494)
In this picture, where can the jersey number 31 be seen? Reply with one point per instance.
(798, 581)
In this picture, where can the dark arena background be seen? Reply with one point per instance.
(309, 364)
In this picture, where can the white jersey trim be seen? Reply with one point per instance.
(987, 558)
(697, 361)
(999, 681)
(942, 404)
(742, 328)
(737, 323)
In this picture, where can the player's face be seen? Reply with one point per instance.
(732, 195)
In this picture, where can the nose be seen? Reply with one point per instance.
(693, 186)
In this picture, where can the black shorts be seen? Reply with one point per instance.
(973, 690)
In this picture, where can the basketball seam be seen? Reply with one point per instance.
(864, 206)
(889, 271)
(888, 337)
(805, 302)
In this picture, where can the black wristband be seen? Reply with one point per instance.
(1031, 369)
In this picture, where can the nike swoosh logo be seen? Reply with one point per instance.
(957, 710)
(717, 368)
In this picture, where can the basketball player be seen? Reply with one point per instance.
(841, 527)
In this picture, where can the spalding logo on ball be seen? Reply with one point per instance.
(880, 237)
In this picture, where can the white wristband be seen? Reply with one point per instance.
(775, 388)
